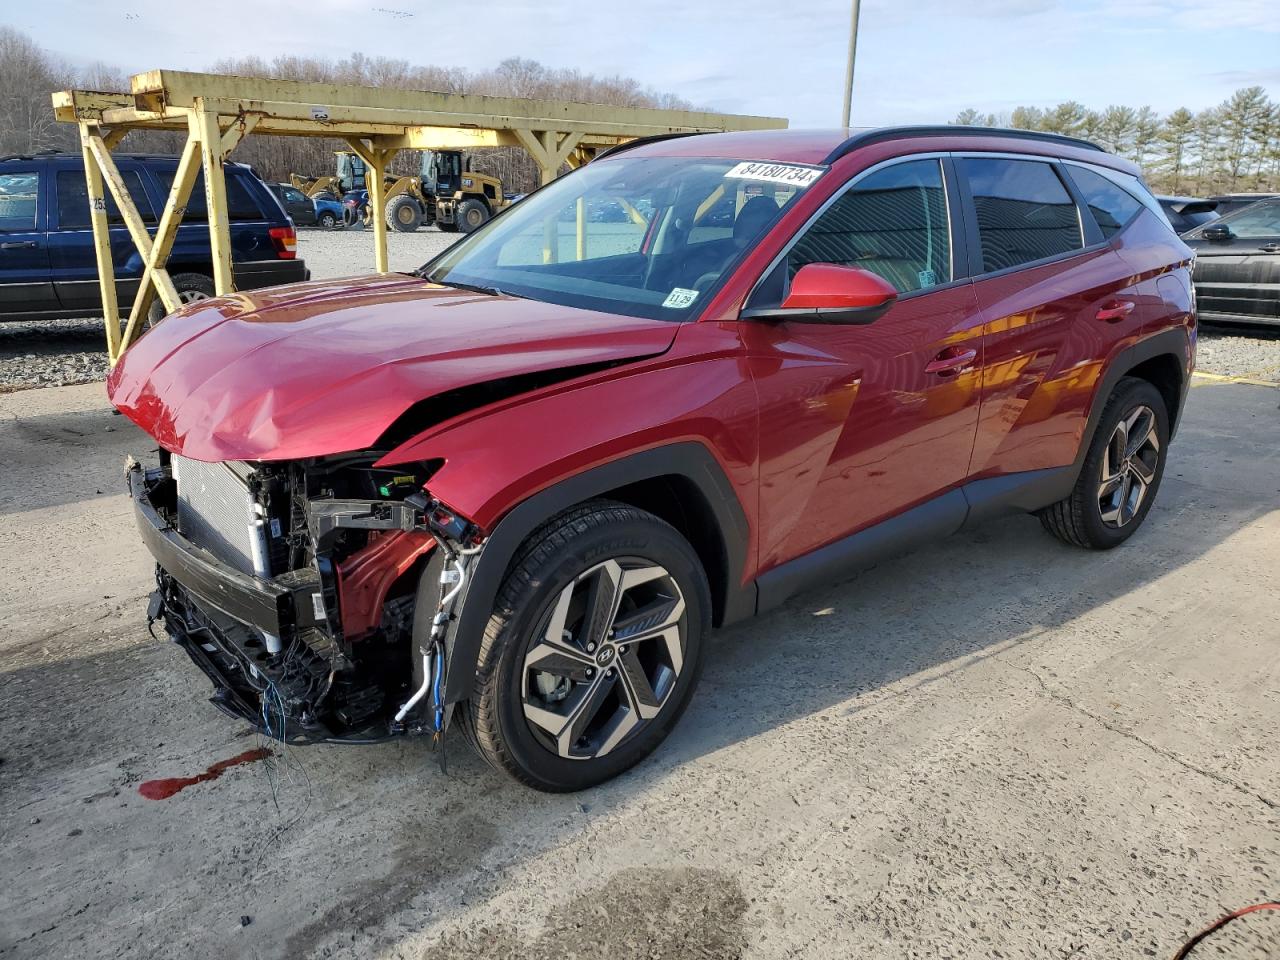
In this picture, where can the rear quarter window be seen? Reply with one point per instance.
(1112, 207)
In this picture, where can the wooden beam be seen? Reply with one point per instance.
(181, 88)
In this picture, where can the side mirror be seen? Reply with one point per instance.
(1217, 233)
(830, 293)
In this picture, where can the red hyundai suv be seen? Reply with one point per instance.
(511, 493)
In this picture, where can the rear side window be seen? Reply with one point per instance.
(1024, 212)
(240, 203)
(893, 223)
(1111, 207)
(73, 199)
(18, 192)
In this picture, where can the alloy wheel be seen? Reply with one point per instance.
(191, 296)
(1129, 465)
(605, 659)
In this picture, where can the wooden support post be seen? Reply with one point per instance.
(376, 159)
(549, 149)
(101, 243)
(215, 191)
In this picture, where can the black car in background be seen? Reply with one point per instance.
(1231, 202)
(1187, 213)
(1237, 272)
(305, 211)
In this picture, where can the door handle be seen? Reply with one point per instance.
(1115, 310)
(18, 245)
(951, 361)
(1270, 247)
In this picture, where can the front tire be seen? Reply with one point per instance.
(593, 650)
(404, 214)
(472, 215)
(1121, 472)
(327, 220)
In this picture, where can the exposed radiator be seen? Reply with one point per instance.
(215, 509)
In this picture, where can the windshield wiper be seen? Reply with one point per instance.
(473, 287)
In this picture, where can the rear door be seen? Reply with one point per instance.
(1058, 303)
(1239, 278)
(71, 252)
(25, 286)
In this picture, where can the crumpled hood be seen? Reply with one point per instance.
(318, 368)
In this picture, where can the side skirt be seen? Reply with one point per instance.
(934, 519)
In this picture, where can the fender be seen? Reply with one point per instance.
(689, 459)
(1175, 342)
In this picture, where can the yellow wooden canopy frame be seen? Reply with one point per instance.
(218, 111)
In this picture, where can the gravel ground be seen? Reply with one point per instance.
(59, 352)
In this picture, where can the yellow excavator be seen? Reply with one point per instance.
(444, 191)
(328, 188)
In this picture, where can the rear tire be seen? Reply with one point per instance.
(1121, 472)
(328, 221)
(190, 286)
(404, 214)
(612, 604)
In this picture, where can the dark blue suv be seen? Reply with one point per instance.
(47, 264)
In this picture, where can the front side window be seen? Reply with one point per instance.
(892, 222)
(73, 200)
(1111, 206)
(1024, 212)
(294, 196)
(641, 236)
(18, 192)
(1256, 223)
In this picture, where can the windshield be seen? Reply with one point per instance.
(646, 237)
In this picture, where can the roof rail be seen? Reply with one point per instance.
(32, 156)
(642, 141)
(881, 134)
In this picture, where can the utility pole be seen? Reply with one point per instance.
(848, 74)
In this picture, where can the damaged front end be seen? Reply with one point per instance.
(296, 588)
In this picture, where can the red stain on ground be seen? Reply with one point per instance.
(166, 788)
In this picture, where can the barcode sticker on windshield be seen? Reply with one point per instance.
(680, 298)
(797, 176)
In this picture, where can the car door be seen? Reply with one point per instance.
(25, 285)
(73, 263)
(299, 207)
(1237, 273)
(860, 423)
(1058, 304)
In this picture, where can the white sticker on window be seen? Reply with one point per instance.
(680, 298)
(790, 173)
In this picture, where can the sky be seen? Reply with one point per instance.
(918, 62)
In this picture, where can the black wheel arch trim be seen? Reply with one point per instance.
(688, 459)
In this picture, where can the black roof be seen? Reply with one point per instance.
(75, 156)
(881, 134)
